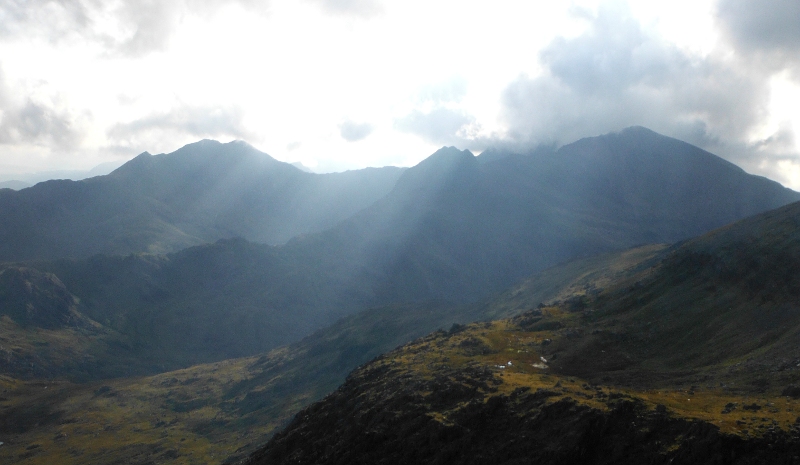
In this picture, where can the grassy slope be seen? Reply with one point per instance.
(484, 395)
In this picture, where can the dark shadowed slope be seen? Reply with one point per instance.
(203, 192)
(693, 360)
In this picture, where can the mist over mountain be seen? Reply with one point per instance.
(163, 203)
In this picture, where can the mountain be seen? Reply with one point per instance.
(31, 178)
(163, 203)
(584, 317)
(14, 185)
(451, 229)
(691, 360)
(457, 229)
(227, 299)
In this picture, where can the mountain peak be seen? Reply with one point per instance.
(639, 130)
(433, 172)
(446, 157)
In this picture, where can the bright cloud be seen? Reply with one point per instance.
(341, 84)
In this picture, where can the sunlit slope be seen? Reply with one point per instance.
(484, 395)
(693, 359)
(200, 193)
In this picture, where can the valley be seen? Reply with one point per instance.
(212, 405)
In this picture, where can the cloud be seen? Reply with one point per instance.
(453, 90)
(139, 26)
(769, 26)
(765, 33)
(441, 125)
(617, 74)
(358, 8)
(36, 120)
(352, 132)
(53, 18)
(185, 120)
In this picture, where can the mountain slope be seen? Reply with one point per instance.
(455, 228)
(728, 297)
(692, 360)
(200, 193)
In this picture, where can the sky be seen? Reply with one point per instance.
(345, 84)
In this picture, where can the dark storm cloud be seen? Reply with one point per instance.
(352, 132)
(197, 121)
(439, 126)
(360, 8)
(147, 24)
(24, 120)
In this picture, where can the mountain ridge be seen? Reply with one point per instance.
(163, 203)
(451, 229)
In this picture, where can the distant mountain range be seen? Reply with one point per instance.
(23, 180)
